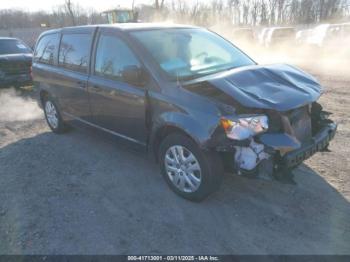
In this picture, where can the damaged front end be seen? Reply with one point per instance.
(271, 121)
(278, 146)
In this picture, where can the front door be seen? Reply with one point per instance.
(116, 105)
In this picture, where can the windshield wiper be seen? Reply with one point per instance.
(199, 74)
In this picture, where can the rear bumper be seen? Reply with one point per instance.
(318, 143)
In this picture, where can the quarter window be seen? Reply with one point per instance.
(46, 49)
(74, 51)
(112, 56)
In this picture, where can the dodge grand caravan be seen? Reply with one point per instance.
(199, 104)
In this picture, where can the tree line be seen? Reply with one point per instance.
(205, 13)
(259, 12)
(67, 14)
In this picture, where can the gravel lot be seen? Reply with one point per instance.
(88, 193)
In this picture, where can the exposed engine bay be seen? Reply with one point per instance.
(292, 137)
(247, 158)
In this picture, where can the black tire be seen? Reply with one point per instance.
(210, 164)
(61, 126)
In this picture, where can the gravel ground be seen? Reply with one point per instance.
(88, 193)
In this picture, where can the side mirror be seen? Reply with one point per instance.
(134, 75)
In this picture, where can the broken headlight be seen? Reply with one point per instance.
(245, 126)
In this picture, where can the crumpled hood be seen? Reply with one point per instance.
(278, 87)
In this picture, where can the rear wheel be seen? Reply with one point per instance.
(53, 117)
(189, 171)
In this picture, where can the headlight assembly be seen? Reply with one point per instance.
(245, 126)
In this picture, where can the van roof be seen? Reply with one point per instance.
(122, 27)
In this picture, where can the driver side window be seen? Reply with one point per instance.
(112, 57)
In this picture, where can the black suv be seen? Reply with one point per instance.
(197, 102)
(15, 62)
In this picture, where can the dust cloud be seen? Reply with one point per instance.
(324, 61)
(333, 59)
(16, 107)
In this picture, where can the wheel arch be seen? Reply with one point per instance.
(164, 131)
(200, 132)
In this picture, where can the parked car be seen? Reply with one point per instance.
(345, 40)
(197, 102)
(326, 35)
(278, 36)
(15, 62)
(262, 35)
(302, 36)
(346, 30)
(243, 36)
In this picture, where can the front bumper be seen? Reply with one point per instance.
(318, 143)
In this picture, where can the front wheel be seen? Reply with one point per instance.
(189, 171)
(53, 117)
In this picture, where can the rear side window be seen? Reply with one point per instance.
(46, 49)
(112, 57)
(74, 51)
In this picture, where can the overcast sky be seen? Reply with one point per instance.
(47, 5)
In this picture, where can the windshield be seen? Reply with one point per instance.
(119, 16)
(124, 16)
(190, 53)
(13, 46)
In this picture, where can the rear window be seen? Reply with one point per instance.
(46, 49)
(74, 51)
(13, 46)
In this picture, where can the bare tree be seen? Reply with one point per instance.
(159, 4)
(69, 9)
